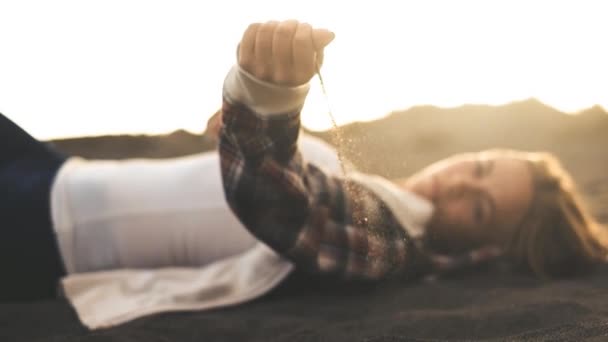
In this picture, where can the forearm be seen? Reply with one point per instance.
(261, 166)
(321, 222)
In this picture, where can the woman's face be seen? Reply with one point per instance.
(479, 199)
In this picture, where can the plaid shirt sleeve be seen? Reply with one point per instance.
(324, 224)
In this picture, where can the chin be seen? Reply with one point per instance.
(443, 246)
(438, 240)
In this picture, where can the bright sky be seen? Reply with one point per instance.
(70, 68)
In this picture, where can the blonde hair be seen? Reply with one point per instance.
(558, 237)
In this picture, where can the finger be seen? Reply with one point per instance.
(321, 38)
(246, 47)
(216, 117)
(319, 60)
(214, 124)
(303, 54)
(263, 49)
(282, 50)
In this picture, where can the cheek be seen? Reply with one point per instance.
(450, 229)
(453, 212)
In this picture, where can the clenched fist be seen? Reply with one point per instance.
(283, 53)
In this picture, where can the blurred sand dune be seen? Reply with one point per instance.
(404, 141)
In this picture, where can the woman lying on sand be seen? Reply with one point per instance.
(65, 215)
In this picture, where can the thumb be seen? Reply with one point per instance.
(321, 38)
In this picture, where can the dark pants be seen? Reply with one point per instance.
(30, 263)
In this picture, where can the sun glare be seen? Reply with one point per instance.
(76, 68)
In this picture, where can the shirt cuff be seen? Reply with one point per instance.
(262, 97)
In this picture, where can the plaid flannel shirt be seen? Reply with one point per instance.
(323, 223)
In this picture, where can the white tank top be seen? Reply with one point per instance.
(145, 213)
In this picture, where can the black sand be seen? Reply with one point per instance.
(488, 305)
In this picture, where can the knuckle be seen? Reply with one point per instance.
(304, 31)
(252, 29)
(268, 26)
(284, 32)
(301, 40)
(304, 27)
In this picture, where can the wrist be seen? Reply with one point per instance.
(262, 97)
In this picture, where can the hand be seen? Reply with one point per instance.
(214, 126)
(284, 53)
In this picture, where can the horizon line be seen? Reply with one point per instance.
(394, 111)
